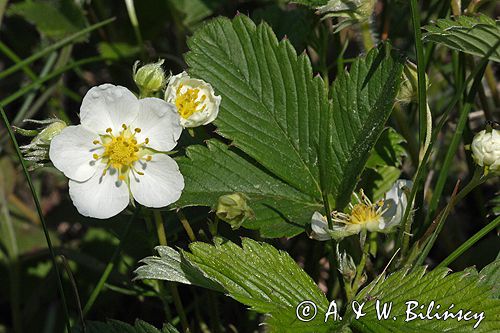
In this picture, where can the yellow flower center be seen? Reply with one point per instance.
(187, 102)
(362, 214)
(122, 151)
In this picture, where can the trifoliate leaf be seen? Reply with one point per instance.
(473, 35)
(279, 117)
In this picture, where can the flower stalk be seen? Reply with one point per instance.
(162, 238)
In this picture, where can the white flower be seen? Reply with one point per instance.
(118, 152)
(194, 99)
(381, 216)
(486, 149)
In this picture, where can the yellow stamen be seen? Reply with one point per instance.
(187, 103)
(121, 151)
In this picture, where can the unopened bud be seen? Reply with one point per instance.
(149, 78)
(486, 149)
(234, 209)
(409, 84)
(346, 266)
(355, 10)
(37, 151)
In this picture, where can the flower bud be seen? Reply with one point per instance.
(194, 99)
(409, 84)
(350, 12)
(486, 149)
(149, 78)
(346, 266)
(234, 209)
(37, 151)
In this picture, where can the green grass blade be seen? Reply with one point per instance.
(470, 242)
(9, 99)
(422, 94)
(53, 47)
(14, 57)
(40, 214)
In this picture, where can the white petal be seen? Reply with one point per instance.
(108, 106)
(71, 152)
(158, 121)
(319, 227)
(395, 202)
(173, 84)
(101, 196)
(161, 184)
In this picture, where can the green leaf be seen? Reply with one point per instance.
(275, 112)
(388, 150)
(490, 276)
(311, 3)
(54, 19)
(261, 277)
(473, 35)
(172, 266)
(362, 101)
(115, 326)
(194, 11)
(463, 289)
(215, 171)
(383, 166)
(116, 51)
(271, 104)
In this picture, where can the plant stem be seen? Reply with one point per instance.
(186, 225)
(75, 289)
(359, 270)
(470, 242)
(40, 215)
(450, 156)
(160, 230)
(422, 85)
(111, 264)
(135, 24)
(492, 84)
(367, 36)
